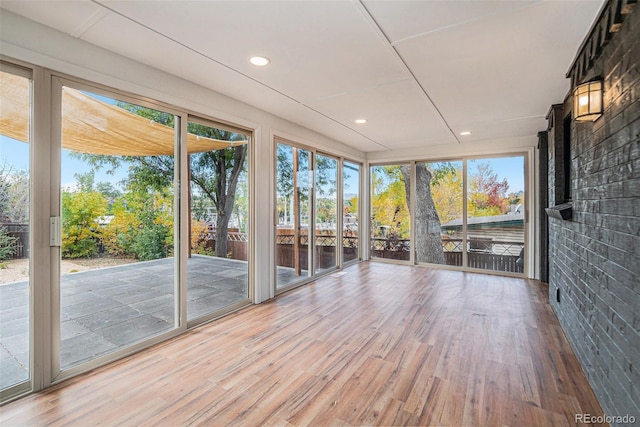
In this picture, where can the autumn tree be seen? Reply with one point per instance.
(438, 200)
(389, 207)
(141, 224)
(486, 192)
(81, 208)
(214, 174)
(447, 194)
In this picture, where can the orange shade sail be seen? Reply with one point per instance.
(95, 127)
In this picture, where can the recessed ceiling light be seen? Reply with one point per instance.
(361, 121)
(465, 133)
(259, 61)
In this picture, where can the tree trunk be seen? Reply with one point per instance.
(428, 237)
(222, 234)
(226, 194)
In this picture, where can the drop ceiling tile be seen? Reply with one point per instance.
(70, 17)
(402, 19)
(397, 114)
(317, 49)
(494, 67)
(147, 47)
(503, 68)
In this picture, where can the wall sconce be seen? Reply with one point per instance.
(587, 101)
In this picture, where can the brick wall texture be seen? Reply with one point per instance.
(593, 258)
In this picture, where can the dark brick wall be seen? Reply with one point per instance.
(593, 258)
(555, 151)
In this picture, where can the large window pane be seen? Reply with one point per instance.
(117, 269)
(438, 217)
(390, 219)
(15, 93)
(495, 213)
(217, 268)
(293, 188)
(326, 213)
(351, 213)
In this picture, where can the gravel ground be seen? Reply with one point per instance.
(17, 270)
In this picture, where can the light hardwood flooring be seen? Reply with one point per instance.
(380, 345)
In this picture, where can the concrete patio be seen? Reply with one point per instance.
(111, 308)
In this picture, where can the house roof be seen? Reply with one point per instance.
(495, 220)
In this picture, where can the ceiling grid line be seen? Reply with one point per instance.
(197, 52)
(463, 23)
(401, 60)
(420, 72)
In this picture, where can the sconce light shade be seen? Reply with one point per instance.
(587, 101)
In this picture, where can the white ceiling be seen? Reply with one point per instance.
(420, 72)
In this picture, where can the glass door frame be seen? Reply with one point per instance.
(185, 225)
(312, 216)
(361, 241)
(528, 268)
(410, 207)
(528, 265)
(338, 251)
(20, 69)
(311, 235)
(45, 149)
(57, 84)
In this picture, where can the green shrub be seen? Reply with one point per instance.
(80, 231)
(7, 248)
(142, 226)
(151, 242)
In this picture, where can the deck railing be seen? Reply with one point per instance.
(482, 253)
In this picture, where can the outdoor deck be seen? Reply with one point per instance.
(107, 309)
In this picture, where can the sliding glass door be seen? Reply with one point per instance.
(294, 186)
(467, 213)
(350, 211)
(496, 214)
(390, 211)
(15, 229)
(217, 265)
(326, 215)
(117, 269)
(99, 231)
(309, 187)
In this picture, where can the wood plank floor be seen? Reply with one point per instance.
(380, 345)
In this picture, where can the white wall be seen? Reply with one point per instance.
(42, 46)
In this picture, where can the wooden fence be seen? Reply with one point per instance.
(485, 254)
(482, 253)
(237, 248)
(21, 234)
(488, 255)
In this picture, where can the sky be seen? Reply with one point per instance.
(16, 155)
(511, 168)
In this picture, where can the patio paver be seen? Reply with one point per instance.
(107, 309)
